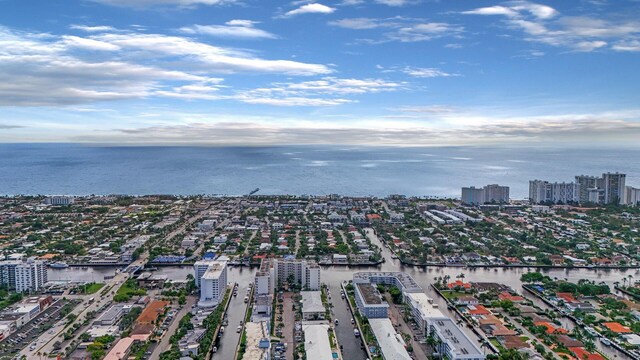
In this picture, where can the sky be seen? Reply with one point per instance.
(362, 72)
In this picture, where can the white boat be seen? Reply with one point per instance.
(356, 332)
(605, 341)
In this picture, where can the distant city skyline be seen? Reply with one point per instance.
(379, 72)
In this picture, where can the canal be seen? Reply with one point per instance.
(334, 275)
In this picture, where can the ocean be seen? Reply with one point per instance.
(74, 169)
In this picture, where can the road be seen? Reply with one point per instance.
(350, 344)
(80, 311)
(165, 341)
(235, 313)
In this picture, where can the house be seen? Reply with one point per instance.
(459, 284)
(467, 300)
(583, 354)
(617, 328)
(513, 298)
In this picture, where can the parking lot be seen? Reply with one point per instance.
(31, 331)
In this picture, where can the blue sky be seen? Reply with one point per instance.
(374, 72)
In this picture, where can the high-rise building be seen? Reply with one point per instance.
(541, 191)
(213, 283)
(496, 193)
(632, 196)
(493, 193)
(608, 189)
(472, 195)
(585, 183)
(22, 276)
(614, 187)
(303, 272)
(199, 268)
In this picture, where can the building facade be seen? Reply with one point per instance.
(492, 193)
(22, 276)
(541, 191)
(213, 283)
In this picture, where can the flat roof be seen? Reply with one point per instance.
(214, 270)
(425, 305)
(312, 301)
(407, 282)
(458, 340)
(316, 341)
(370, 294)
(120, 349)
(391, 344)
(111, 313)
(256, 331)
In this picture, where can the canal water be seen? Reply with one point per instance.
(334, 275)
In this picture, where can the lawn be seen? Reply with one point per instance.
(91, 288)
(128, 290)
(452, 295)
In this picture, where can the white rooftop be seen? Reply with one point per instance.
(214, 270)
(391, 343)
(425, 305)
(312, 302)
(316, 341)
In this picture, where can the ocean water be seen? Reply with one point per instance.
(81, 170)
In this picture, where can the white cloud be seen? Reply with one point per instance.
(42, 69)
(492, 10)
(152, 3)
(383, 2)
(482, 129)
(426, 72)
(588, 46)
(629, 45)
(207, 57)
(358, 23)
(313, 8)
(401, 29)
(92, 28)
(239, 29)
(88, 44)
(543, 24)
(317, 92)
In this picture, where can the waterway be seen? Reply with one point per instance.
(334, 275)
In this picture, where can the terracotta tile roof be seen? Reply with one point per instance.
(581, 354)
(616, 327)
(152, 311)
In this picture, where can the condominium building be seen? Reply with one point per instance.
(585, 183)
(21, 276)
(496, 193)
(264, 279)
(492, 193)
(303, 272)
(213, 284)
(472, 195)
(614, 187)
(632, 196)
(59, 200)
(199, 268)
(452, 342)
(541, 191)
(369, 302)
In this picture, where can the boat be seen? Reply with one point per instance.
(59, 265)
(356, 332)
(605, 341)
